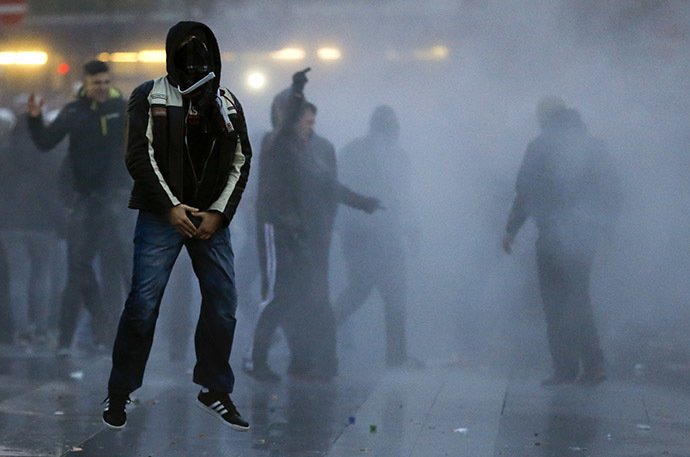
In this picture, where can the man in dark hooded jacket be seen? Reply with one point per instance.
(95, 126)
(297, 200)
(189, 154)
(568, 185)
(374, 247)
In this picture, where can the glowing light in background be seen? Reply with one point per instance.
(123, 57)
(256, 80)
(63, 68)
(329, 54)
(23, 58)
(288, 54)
(438, 52)
(151, 56)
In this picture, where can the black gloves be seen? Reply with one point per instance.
(299, 80)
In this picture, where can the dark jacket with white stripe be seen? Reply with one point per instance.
(208, 170)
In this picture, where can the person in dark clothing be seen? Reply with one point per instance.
(28, 194)
(95, 125)
(189, 154)
(374, 248)
(568, 184)
(298, 196)
(8, 122)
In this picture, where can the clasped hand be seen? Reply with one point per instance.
(210, 221)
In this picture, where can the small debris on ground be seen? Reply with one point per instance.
(77, 375)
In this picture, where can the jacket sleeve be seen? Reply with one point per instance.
(140, 158)
(517, 217)
(291, 116)
(344, 195)
(231, 195)
(46, 137)
(349, 197)
(518, 212)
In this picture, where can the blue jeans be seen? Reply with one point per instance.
(156, 247)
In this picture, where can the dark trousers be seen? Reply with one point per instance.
(295, 278)
(564, 274)
(377, 263)
(95, 228)
(156, 247)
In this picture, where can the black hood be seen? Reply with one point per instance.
(176, 36)
(384, 122)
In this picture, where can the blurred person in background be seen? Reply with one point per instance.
(94, 123)
(29, 183)
(375, 247)
(8, 120)
(189, 154)
(568, 185)
(298, 196)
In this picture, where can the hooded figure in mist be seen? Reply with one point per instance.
(568, 184)
(374, 247)
(297, 199)
(189, 154)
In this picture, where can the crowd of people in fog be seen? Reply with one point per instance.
(187, 150)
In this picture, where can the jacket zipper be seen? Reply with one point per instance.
(191, 163)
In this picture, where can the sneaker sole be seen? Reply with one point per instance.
(211, 412)
(114, 427)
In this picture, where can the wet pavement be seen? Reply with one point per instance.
(51, 407)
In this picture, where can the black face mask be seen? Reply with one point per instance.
(192, 62)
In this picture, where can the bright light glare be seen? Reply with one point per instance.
(23, 58)
(151, 56)
(439, 52)
(289, 54)
(256, 81)
(329, 53)
(104, 56)
(123, 57)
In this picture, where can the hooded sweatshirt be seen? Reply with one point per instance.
(566, 179)
(179, 149)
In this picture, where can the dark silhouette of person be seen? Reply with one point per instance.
(375, 247)
(189, 154)
(567, 183)
(94, 123)
(297, 200)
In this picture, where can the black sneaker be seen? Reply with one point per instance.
(219, 405)
(114, 414)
